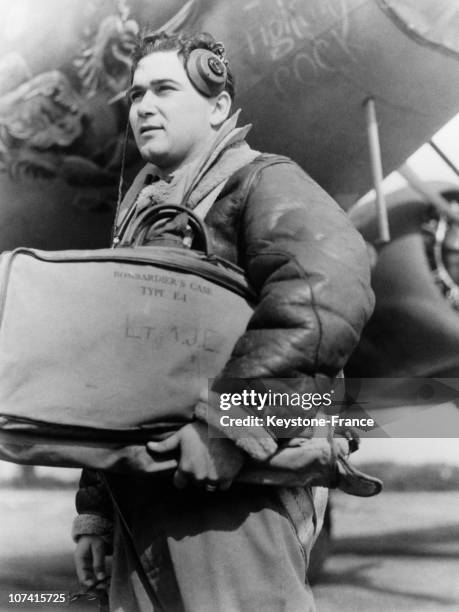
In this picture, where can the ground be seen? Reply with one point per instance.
(392, 553)
(395, 552)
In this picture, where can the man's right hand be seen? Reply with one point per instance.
(204, 460)
(90, 560)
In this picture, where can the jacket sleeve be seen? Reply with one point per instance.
(94, 507)
(310, 270)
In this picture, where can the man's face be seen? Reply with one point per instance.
(169, 118)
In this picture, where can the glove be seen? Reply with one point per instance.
(312, 462)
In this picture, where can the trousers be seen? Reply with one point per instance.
(234, 551)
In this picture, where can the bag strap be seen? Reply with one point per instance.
(129, 543)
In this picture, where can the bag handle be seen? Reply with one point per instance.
(197, 213)
(162, 212)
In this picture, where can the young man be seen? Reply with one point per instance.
(208, 543)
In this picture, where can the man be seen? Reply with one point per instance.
(207, 542)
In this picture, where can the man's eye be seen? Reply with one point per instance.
(135, 95)
(165, 88)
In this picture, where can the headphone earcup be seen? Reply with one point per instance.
(207, 72)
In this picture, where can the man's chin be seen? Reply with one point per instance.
(156, 156)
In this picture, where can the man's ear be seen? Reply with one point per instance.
(221, 109)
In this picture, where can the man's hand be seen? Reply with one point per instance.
(90, 560)
(206, 461)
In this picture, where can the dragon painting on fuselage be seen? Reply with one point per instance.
(51, 128)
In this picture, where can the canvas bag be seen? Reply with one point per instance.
(102, 350)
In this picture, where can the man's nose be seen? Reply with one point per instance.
(147, 105)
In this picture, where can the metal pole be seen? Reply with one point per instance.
(444, 157)
(435, 198)
(377, 170)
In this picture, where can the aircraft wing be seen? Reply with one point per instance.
(304, 70)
